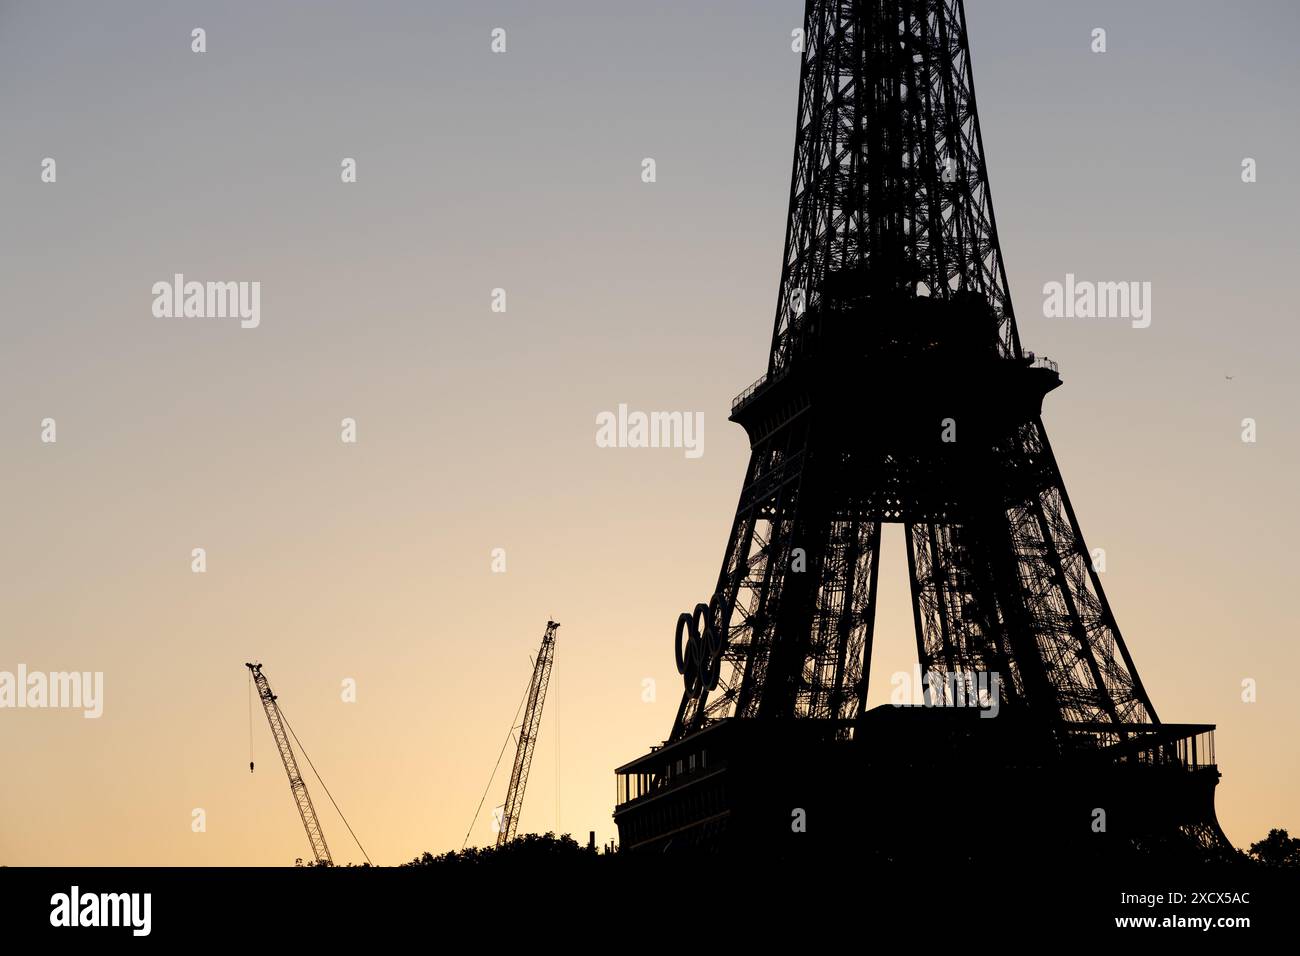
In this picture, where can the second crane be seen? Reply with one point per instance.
(527, 736)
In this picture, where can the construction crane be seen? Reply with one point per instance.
(301, 797)
(527, 736)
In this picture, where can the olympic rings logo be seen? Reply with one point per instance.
(700, 660)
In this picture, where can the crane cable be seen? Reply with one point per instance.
(250, 721)
(555, 705)
(322, 783)
(504, 744)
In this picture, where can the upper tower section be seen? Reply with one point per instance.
(889, 197)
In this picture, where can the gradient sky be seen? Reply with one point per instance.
(371, 561)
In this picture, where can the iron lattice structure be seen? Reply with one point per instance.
(301, 798)
(528, 731)
(894, 332)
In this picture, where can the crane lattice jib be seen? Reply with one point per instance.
(527, 736)
(301, 798)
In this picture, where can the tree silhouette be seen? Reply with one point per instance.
(1279, 848)
(531, 848)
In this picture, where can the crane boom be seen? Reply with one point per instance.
(301, 798)
(528, 736)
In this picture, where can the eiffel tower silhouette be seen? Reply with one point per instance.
(897, 390)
